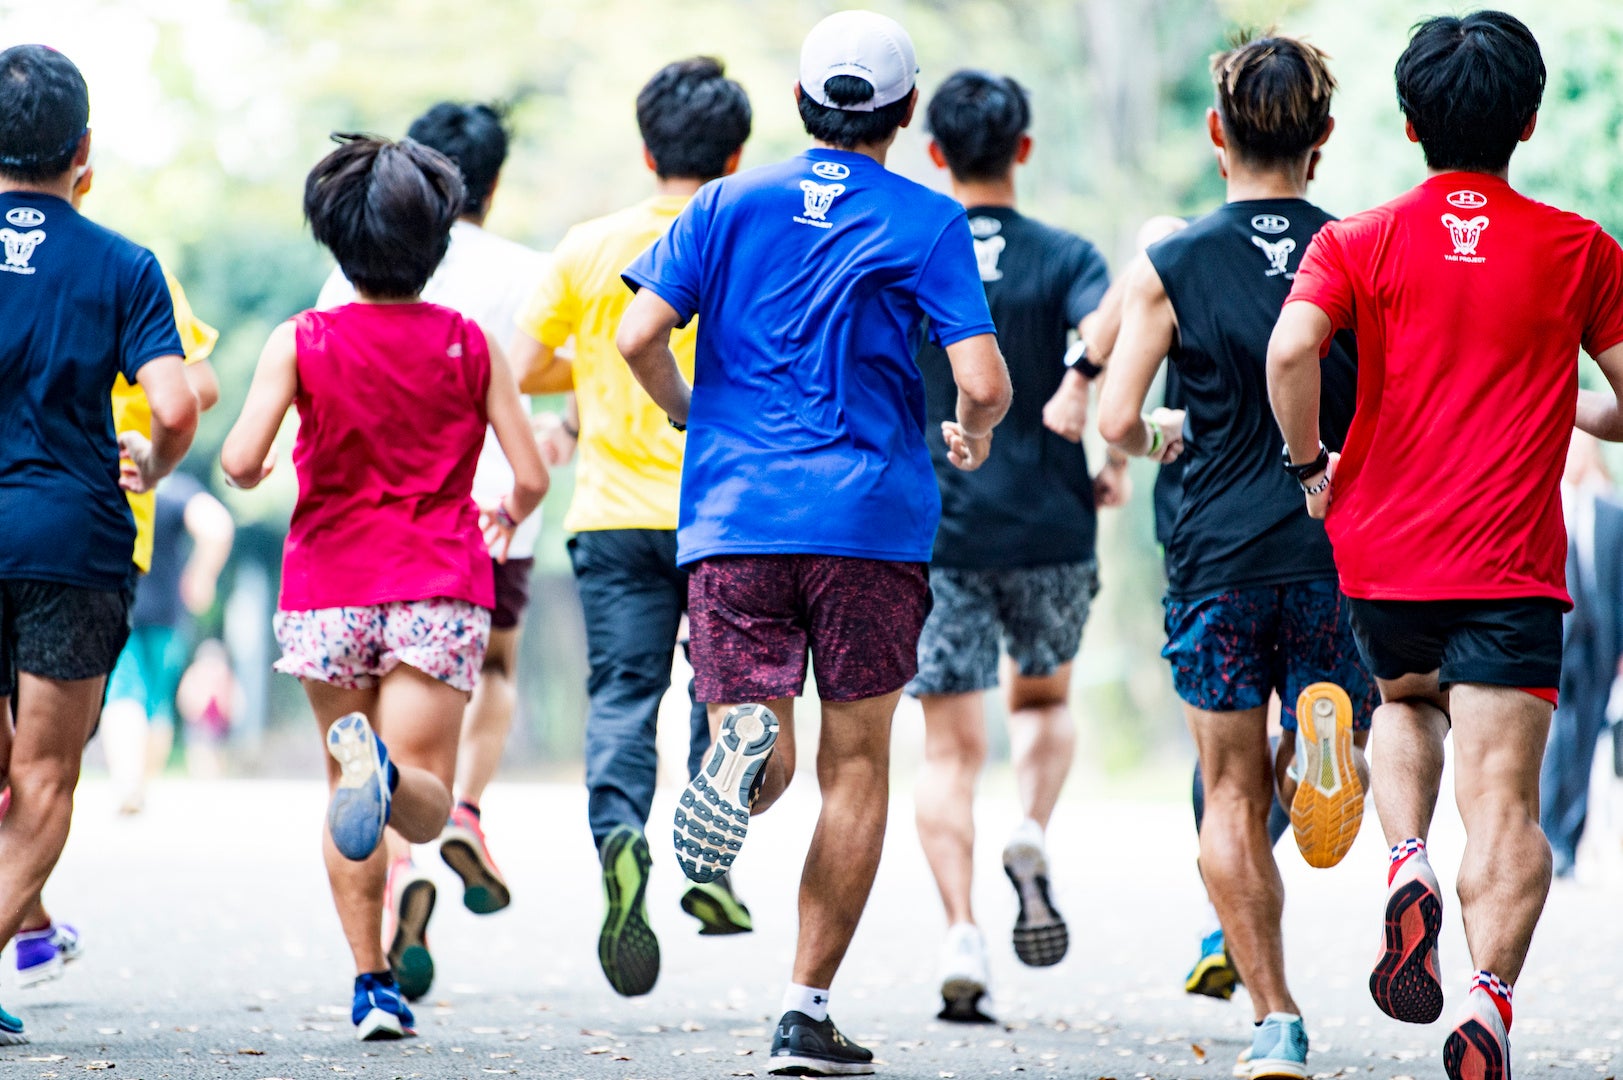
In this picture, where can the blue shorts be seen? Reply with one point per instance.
(1230, 650)
(148, 672)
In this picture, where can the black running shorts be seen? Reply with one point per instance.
(1513, 642)
(59, 631)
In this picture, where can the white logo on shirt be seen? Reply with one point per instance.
(20, 248)
(988, 246)
(1278, 252)
(818, 199)
(1467, 200)
(831, 170)
(25, 217)
(1465, 235)
(1272, 224)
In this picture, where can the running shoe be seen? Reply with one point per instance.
(1242, 1064)
(1214, 974)
(713, 814)
(11, 1030)
(717, 907)
(805, 1047)
(405, 928)
(965, 978)
(1405, 981)
(379, 1012)
(463, 847)
(359, 809)
(1328, 807)
(1279, 1049)
(1479, 1047)
(42, 953)
(627, 948)
(1041, 937)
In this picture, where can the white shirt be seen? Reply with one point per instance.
(487, 279)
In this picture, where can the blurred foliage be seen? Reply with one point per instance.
(209, 112)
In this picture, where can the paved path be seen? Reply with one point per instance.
(212, 950)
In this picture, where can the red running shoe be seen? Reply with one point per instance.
(462, 846)
(1405, 981)
(1479, 1047)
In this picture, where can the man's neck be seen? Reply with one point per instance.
(473, 219)
(1497, 174)
(877, 151)
(1246, 183)
(999, 192)
(61, 187)
(685, 186)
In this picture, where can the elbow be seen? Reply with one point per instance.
(993, 393)
(1117, 425)
(177, 413)
(238, 469)
(631, 342)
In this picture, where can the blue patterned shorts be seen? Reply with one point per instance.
(1229, 651)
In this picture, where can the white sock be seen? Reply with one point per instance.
(1030, 831)
(1212, 924)
(806, 999)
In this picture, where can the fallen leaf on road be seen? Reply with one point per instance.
(1199, 1051)
(49, 1058)
(99, 1066)
(251, 1053)
(692, 1025)
(620, 1057)
(597, 1049)
(591, 1034)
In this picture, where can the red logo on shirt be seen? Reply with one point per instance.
(1467, 200)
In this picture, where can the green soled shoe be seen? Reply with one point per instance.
(717, 907)
(627, 948)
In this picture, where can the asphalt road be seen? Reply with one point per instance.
(212, 950)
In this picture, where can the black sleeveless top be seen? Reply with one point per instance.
(1242, 521)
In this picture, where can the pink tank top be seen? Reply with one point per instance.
(391, 404)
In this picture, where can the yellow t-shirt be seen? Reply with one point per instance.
(132, 413)
(630, 458)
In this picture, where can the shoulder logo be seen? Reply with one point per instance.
(25, 217)
(19, 248)
(1466, 235)
(1467, 200)
(1272, 224)
(1278, 252)
(819, 198)
(831, 170)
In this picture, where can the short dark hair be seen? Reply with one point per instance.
(385, 210)
(1469, 86)
(977, 119)
(1273, 97)
(44, 111)
(849, 128)
(474, 137)
(693, 118)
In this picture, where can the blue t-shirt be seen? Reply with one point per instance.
(79, 305)
(814, 280)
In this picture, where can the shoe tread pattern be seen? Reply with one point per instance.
(1403, 983)
(1472, 1052)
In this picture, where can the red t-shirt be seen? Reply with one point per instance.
(391, 404)
(1469, 303)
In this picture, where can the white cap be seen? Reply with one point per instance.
(861, 43)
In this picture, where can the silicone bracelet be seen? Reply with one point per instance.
(1156, 439)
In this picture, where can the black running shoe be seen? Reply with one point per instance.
(627, 948)
(1041, 937)
(804, 1047)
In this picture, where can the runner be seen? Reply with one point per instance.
(1446, 508)
(65, 570)
(386, 583)
(1252, 604)
(485, 278)
(808, 502)
(1014, 556)
(693, 121)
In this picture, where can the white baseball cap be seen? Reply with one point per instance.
(861, 43)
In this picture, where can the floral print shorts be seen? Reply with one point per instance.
(354, 647)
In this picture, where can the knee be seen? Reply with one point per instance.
(44, 786)
(961, 751)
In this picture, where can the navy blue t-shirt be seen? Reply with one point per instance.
(812, 280)
(79, 305)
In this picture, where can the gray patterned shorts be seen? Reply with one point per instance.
(1037, 612)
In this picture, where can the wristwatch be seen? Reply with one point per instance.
(672, 421)
(1307, 470)
(1076, 359)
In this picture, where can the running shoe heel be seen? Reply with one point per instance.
(359, 809)
(463, 847)
(1479, 1047)
(1328, 808)
(1405, 983)
(38, 958)
(713, 815)
(627, 949)
(1041, 938)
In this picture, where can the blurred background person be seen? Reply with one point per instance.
(207, 699)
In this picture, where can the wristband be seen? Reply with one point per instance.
(1317, 488)
(1157, 440)
(1302, 472)
(671, 420)
(504, 517)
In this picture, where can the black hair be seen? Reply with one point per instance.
(1273, 97)
(474, 137)
(693, 118)
(977, 119)
(385, 210)
(848, 128)
(1469, 86)
(44, 112)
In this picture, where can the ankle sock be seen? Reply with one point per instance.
(1402, 852)
(1498, 990)
(806, 999)
(472, 808)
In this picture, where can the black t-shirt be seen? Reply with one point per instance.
(1242, 521)
(157, 593)
(1031, 504)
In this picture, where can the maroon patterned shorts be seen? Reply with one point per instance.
(753, 618)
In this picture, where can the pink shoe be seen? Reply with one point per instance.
(462, 846)
(409, 901)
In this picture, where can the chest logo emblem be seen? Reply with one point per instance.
(831, 170)
(819, 199)
(1272, 224)
(1467, 200)
(1466, 235)
(1278, 252)
(25, 217)
(19, 248)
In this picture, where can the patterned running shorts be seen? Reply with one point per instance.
(354, 647)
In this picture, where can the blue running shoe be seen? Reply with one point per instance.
(11, 1030)
(1279, 1049)
(379, 1011)
(360, 804)
(1214, 974)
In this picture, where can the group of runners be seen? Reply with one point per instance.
(785, 384)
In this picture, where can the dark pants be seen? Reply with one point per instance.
(1564, 781)
(633, 597)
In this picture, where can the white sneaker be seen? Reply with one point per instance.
(965, 979)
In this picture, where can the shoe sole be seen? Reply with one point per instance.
(1328, 808)
(483, 890)
(13, 1038)
(1242, 1067)
(359, 809)
(1472, 1052)
(40, 973)
(379, 1025)
(1041, 937)
(1213, 977)
(409, 958)
(810, 1066)
(1401, 984)
(716, 917)
(961, 1002)
(713, 814)
(627, 949)
(1277, 1069)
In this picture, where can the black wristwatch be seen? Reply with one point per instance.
(1076, 359)
(1302, 473)
(672, 421)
